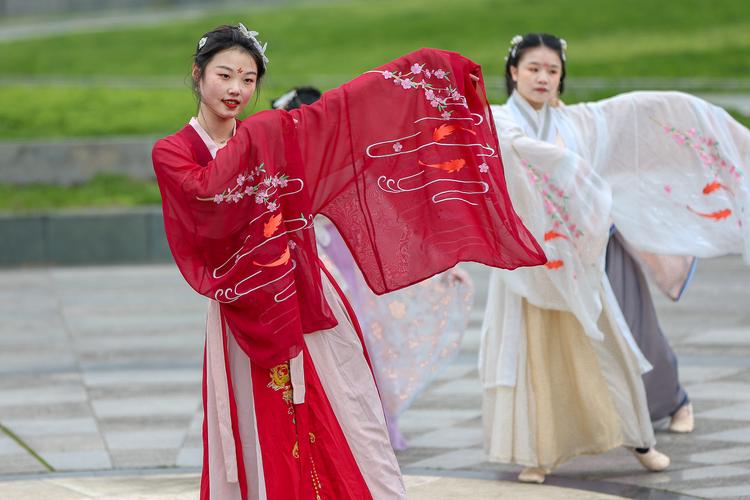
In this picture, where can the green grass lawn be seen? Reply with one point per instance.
(104, 190)
(133, 81)
(146, 68)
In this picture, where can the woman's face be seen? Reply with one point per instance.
(228, 83)
(537, 75)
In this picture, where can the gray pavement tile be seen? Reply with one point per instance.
(142, 377)
(90, 330)
(457, 371)
(26, 345)
(38, 490)
(43, 396)
(168, 486)
(20, 464)
(735, 412)
(51, 411)
(65, 443)
(145, 390)
(691, 374)
(190, 457)
(690, 474)
(453, 437)
(461, 386)
(138, 341)
(157, 439)
(420, 420)
(741, 435)
(39, 379)
(728, 391)
(462, 458)
(29, 326)
(77, 460)
(727, 336)
(139, 459)
(44, 427)
(9, 447)
(722, 455)
(36, 362)
(741, 491)
(140, 394)
(135, 407)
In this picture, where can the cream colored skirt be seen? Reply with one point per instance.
(573, 395)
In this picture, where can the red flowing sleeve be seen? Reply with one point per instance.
(405, 161)
(240, 231)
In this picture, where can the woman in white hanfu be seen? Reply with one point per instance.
(560, 368)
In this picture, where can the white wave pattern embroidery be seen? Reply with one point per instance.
(440, 98)
(266, 191)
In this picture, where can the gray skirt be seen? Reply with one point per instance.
(664, 392)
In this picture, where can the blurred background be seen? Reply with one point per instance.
(86, 86)
(100, 365)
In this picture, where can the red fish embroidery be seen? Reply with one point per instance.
(554, 264)
(445, 130)
(718, 215)
(270, 227)
(551, 235)
(714, 186)
(442, 132)
(448, 166)
(278, 262)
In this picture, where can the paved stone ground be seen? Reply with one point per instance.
(100, 371)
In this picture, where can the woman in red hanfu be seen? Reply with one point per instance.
(404, 161)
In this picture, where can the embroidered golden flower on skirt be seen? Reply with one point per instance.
(279, 377)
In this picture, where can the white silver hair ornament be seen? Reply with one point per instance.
(252, 36)
(514, 46)
(564, 46)
(202, 42)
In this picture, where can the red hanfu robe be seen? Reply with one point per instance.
(404, 160)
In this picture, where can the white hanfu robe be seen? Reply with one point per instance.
(560, 370)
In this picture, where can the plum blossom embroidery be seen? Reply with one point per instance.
(555, 202)
(707, 149)
(398, 147)
(263, 192)
(484, 168)
(438, 97)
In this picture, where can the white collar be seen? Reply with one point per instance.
(537, 123)
(213, 148)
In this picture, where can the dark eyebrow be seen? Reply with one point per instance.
(231, 70)
(556, 66)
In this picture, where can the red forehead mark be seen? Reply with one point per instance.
(240, 70)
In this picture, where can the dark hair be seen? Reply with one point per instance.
(530, 41)
(223, 38)
(296, 97)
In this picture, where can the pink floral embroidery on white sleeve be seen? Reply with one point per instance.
(724, 173)
(707, 149)
(555, 204)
